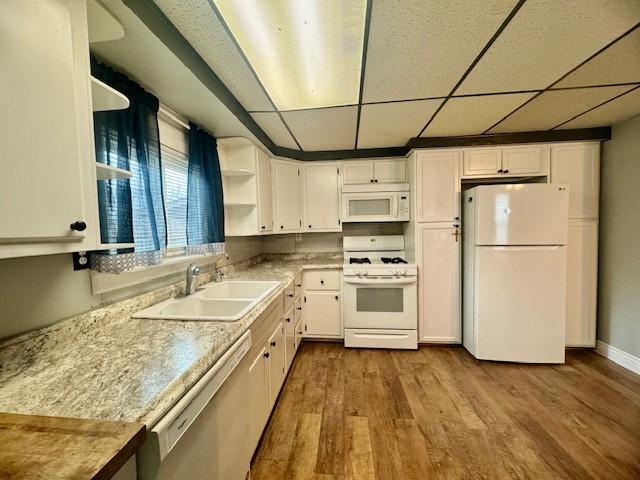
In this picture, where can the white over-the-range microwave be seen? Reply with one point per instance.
(376, 203)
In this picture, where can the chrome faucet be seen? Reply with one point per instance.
(192, 271)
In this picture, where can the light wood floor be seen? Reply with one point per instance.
(438, 413)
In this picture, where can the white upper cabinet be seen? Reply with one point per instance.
(389, 171)
(48, 181)
(437, 185)
(578, 165)
(482, 162)
(321, 198)
(287, 198)
(525, 160)
(508, 161)
(246, 183)
(374, 171)
(265, 199)
(357, 172)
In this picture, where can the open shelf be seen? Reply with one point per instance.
(107, 172)
(114, 246)
(103, 25)
(105, 98)
(239, 204)
(238, 172)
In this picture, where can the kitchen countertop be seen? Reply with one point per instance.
(104, 365)
(65, 448)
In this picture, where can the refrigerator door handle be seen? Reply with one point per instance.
(524, 248)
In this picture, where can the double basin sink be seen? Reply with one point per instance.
(222, 301)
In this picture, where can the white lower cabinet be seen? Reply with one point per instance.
(276, 362)
(323, 316)
(259, 405)
(582, 283)
(439, 298)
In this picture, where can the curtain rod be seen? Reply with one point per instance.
(164, 111)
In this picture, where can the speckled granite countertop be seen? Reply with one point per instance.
(104, 365)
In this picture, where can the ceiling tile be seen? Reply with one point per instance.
(554, 107)
(421, 49)
(473, 115)
(545, 40)
(275, 129)
(622, 108)
(620, 63)
(199, 24)
(393, 124)
(323, 128)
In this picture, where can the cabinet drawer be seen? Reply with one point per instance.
(322, 280)
(298, 286)
(289, 296)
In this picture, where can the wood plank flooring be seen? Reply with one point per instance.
(439, 413)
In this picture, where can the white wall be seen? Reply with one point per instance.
(39, 291)
(619, 269)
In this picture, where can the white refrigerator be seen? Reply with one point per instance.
(514, 273)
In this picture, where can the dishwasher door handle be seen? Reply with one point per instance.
(380, 281)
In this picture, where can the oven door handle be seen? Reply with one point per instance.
(380, 281)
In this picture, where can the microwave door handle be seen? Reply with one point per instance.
(380, 281)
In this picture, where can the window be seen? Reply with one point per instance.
(175, 165)
(174, 169)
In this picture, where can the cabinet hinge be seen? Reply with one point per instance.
(338, 170)
(338, 221)
(305, 328)
(300, 222)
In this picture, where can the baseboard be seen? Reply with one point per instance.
(622, 358)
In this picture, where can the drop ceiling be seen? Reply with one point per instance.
(357, 74)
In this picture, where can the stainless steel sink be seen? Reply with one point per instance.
(223, 301)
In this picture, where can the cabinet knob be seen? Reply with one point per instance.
(336, 297)
(263, 227)
(273, 344)
(500, 171)
(78, 226)
(281, 226)
(376, 180)
(298, 308)
(371, 180)
(290, 295)
(309, 226)
(506, 171)
(456, 218)
(298, 285)
(288, 320)
(321, 282)
(266, 355)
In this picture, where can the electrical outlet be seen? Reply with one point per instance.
(80, 260)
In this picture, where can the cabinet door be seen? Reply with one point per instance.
(276, 362)
(357, 172)
(322, 198)
(439, 283)
(482, 162)
(582, 283)
(525, 160)
(578, 166)
(323, 315)
(389, 171)
(290, 340)
(45, 142)
(438, 186)
(259, 404)
(265, 199)
(287, 199)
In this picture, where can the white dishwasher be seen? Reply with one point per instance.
(204, 436)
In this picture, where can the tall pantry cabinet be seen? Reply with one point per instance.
(436, 187)
(578, 165)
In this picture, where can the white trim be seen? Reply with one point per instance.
(622, 358)
(106, 282)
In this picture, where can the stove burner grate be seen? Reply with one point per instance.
(360, 260)
(393, 260)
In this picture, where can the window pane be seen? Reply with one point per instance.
(175, 166)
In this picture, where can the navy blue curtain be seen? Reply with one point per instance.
(205, 205)
(130, 210)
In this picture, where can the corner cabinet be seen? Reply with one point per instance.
(287, 196)
(48, 184)
(321, 187)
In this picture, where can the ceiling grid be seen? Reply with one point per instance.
(411, 55)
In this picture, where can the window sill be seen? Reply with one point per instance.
(108, 282)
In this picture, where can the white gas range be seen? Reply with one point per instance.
(379, 293)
